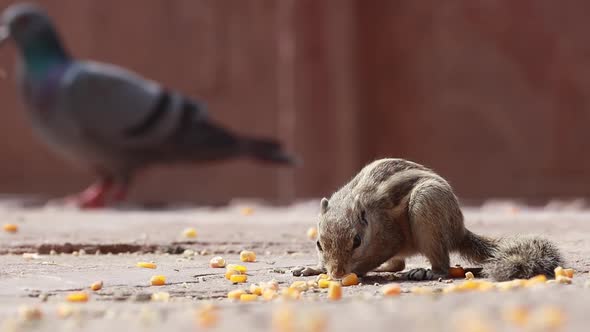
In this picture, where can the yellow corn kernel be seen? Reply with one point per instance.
(290, 293)
(158, 280)
(312, 284)
(10, 228)
(312, 233)
(540, 279)
(273, 284)
(248, 297)
(269, 294)
(469, 275)
(563, 280)
(65, 310)
(236, 267)
(323, 276)
(283, 320)
(217, 262)
(451, 289)
(96, 286)
(334, 291)
(485, 286)
(238, 278)
(518, 316)
(569, 273)
(559, 272)
(391, 290)
(350, 279)
(247, 211)
(207, 316)
(421, 290)
(161, 297)
(299, 285)
(230, 273)
(146, 265)
(247, 256)
(28, 313)
(190, 233)
(509, 285)
(235, 294)
(255, 289)
(456, 272)
(323, 283)
(77, 297)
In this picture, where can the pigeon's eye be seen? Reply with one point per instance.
(317, 243)
(356, 242)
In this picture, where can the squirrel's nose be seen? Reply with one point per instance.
(337, 273)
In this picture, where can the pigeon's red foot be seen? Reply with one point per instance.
(93, 197)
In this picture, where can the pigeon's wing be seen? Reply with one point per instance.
(118, 108)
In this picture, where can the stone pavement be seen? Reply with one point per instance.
(124, 237)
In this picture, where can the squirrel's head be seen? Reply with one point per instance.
(342, 237)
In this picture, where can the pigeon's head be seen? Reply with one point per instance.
(28, 25)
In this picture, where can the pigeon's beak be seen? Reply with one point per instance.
(3, 34)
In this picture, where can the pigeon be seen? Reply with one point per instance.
(112, 120)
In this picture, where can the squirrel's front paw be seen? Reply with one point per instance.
(420, 274)
(306, 271)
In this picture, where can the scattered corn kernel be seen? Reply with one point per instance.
(290, 293)
(421, 290)
(569, 273)
(334, 291)
(235, 294)
(247, 256)
(189, 233)
(299, 285)
(391, 290)
(312, 284)
(10, 228)
(207, 316)
(255, 289)
(312, 233)
(322, 276)
(283, 320)
(248, 297)
(238, 278)
(563, 280)
(540, 279)
(65, 310)
(559, 272)
(518, 316)
(147, 265)
(29, 313)
(236, 267)
(96, 286)
(350, 279)
(217, 262)
(247, 211)
(469, 275)
(230, 273)
(269, 294)
(273, 284)
(323, 283)
(161, 297)
(158, 280)
(456, 272)
(77, 297)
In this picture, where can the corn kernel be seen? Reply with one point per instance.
(247, 211)
(235, 294)
(77, 297)
(456, 272)
(190, 233)
(323, 283)
(540, 279)
(96, 286)
(255, 289)
(350, 279)
(334, 291)
(29, 313)
(421, 290)
(65, 310)
(391, 290)
(549, 318)
(312, 284)
(323, 276)
(230, 273)
(559, 272)
(312, 233)
(217, 262)
(236, 267)
(569, 273)
(469, 275)
(563, 280)
(248, 297)
(283, 320)
(161, 297)
(207, 316)
(269, 294)
(10, 228)
(238, 278)
(273, 284)
(146, 265)
(299, 285)
(158, 280)
(247, 256)
(518, 316)
(290, 293)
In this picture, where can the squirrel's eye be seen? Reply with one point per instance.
(319, 245)
(356, 242)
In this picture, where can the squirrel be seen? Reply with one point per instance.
(395, 208)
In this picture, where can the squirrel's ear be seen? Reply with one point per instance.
(324, 205)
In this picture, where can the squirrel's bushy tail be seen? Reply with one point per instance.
(511, 258)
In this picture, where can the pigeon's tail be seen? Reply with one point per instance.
(267, 150)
